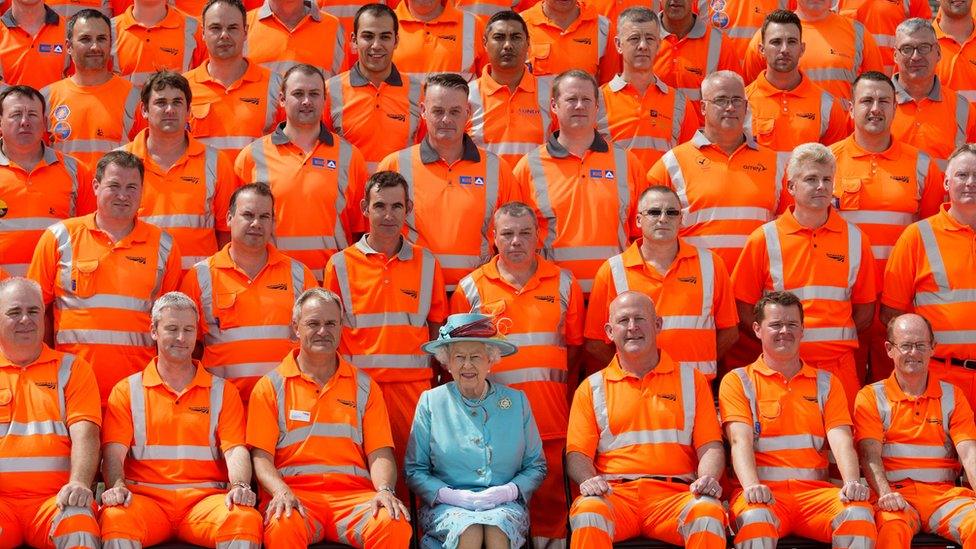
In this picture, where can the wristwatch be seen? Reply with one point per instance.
(240, 485)
(386, 488)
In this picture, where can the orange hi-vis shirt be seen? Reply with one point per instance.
(452, 42)
(509, 123)
(485, 8)
(702, 174)
(67, 8)
(585, 206)
(683, 63)
(930, 272)
(89, 121)
(634, 427)
(318, 40)
(790, 418)
(782, 119)
(34, 61)
(693, 298)
(31, 201)
(344, 10)
(957, 67)
(175, 440)
(918, 434)
(838, 49)
(647, 125)
(103, 292)
(936, 124)
(333, 173)
(829, 268)
(388, 304)
(190, 200)
(377, 120)
(453, 203)
(739, 20)
(320, 438)
(882, 193)
(38, 403)
(882, 18)
(586, 44)
(175, 43)
(245, 324)
(230, 118)
(545, 316)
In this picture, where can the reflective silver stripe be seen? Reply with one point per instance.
(726, 213)
(248, 333)
(921, 171)
(342, 10)
(670, 162)
(544, 96)
(31, 428)
(142, 450)
(26, 224)
(242, 370)
(884, 40)
(529, 375)
(602, 37)
(353, 534)
(878, 217)
(774, 252)
(858, 47)
(491, 203)
(743, 33)
(814, 335)
(582, 253)
(643, 142)
(104, 301)
(851, 513)
(388, 361)
(477, 120)
(118, 543)
(305, 243)
(129, 112)
(790, 473)
(590, 520)
(788, 442)
(163, 249)
(104, 337)
(299, 470)
(469, 289)
(716, 241)
(934, 255)
(511, 147)
(297, 269)
(959, 337)
(274, 87)
(260, 160)
(336, 101)
(190, 26)
(332, 430)
(618, 273)
(714, 49)
(527, 339)
(623, 195)
(202, 271)
(178, 486)
(15, 269)
(35, 464)
(227, 141)
(181, 452)
(484, 10)
(413, 116)
(64, 375)
(947, 509)
(901, 450)
(821, 75)
(757, 515)
(826, 104)
(707, 524)
(962, 120)
(405, 167)
(929, 474)
(468, 22)
(950, 296)
(686, 322)
(541, 188)
(182, 221)
(74, 540)
(88, 145)
(694, 94)
(342, 181)
(884, 407)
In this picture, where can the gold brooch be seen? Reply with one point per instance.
(505, 403)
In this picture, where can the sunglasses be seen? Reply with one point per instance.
(656, 212)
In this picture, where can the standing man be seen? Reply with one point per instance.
(152, 35)
(454, 185)
(176, 467)
(284, 33)
(882, 20)
(955, 28)
(435, 37)
(32, 51)
(50, 441)
(102, 272)
(656, 473)
(302, 160)
(243, 293)
(778, 414)
(583, 189)
(326, 469)
(187, 184)
(566, 35)
(544, 304)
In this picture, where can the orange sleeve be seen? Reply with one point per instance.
(329, 280)
(86, 193)
(598, 308)
(723, 304)
(262, 417)
(481, 55)
(117, 425)
(389, 163)
(244, 164)
(690, 123)
(754, 63)
(327, 110)
(582, 435)
(174, 270)
(459, 303)
(920, 8)
(658, 174)
(785, 199)
(308, 279)
(837, 123)
(574, 314)
(352, 215)
(376, 422)
(227, 183)
(728, 58)
(865, 288)
(871, 60)
(438, 296)
(836, 413)
(933, 192)
(200, 53)
(230, 423)
(752, 270)
(191, 287)
(732, 402)
(608, 65)
(970, 122)
(961, 427)
(867, 421)
(901, 271)
(43, 266)
(509, 189)
(636, 184)
(706, 427)
(81, 394)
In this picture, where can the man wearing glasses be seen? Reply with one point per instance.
(690, 288)
(914, 430)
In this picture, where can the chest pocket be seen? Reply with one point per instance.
(539, 57)
(763, 125)
(83, 277)
(770, 409)
(225, 307)
(850, 193)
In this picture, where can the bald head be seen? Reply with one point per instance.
(18, 285)
(907, 323)
(910, 346)
(632, 299)
(21, 320)
(633, 325)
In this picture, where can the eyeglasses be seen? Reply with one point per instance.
(905, 348)
(656, 212)
(922, 49)
(724, 102)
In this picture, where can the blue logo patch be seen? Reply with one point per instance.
(318, 162)
(466, 179)
(480, 181)
(61, 112)
(596, 174)
(44, 48)
(331, 164)
(62, 129)
(609, 174)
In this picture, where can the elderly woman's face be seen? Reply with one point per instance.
(468, 363)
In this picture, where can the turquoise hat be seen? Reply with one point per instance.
(464, 327)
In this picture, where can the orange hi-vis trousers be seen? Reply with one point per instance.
(192, 515)
(37, 522)
(657, 509)
(808, 508)
(401, 398)
(343, 517)
(939, 508)
(547, 509)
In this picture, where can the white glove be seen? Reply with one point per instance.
(458, 498)
(495, 496)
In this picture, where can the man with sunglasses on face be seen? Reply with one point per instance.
(690, 287)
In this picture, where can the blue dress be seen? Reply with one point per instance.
(468, 445)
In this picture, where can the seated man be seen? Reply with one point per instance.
(778, 412)
(656, 472)
(175, 465)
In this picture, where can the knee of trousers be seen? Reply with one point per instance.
(591, 512)
(391, 533)
(703, 515)
(118, 522)
(240, 522)
(756, 527)
(286, 532)
(75, 527)
(854, 526)
(591, 504)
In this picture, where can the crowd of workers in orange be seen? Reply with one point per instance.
(702, 272)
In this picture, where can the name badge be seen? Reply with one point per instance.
(299, 415)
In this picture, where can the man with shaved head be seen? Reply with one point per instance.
(663, 457)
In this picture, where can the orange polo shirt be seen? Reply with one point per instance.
(740, 19)
(230, 118)
(506, 122)
(31, 201)
(55, 389)
(171, 419)
(936, 124)
(930, 272)
(453, 204)
(318, 40)
(702, 174)
(586, 44)
(377, 120)
(661, 400)
(245, 324)
(35, 61)
(882, 193)
(190, 199)
(334, 172)
(344, 10)
(545, 316)
(782, 119)
(104, 290)
(693, 298)
(311, 463)
(451, 42)
(829, 268)
(585, 206)
(838, 49)
(388, 302)
(175, 43)
(647, 124)
(957, 68)
(882, 18)
(684, 62)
